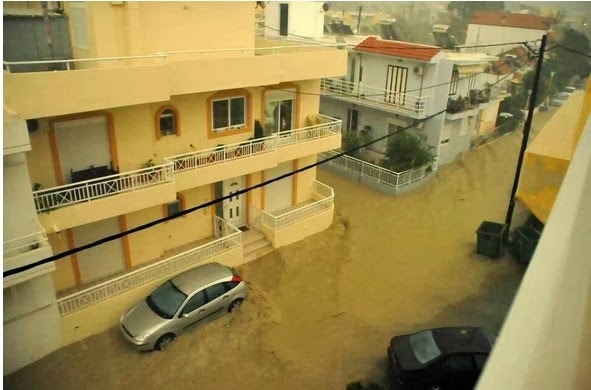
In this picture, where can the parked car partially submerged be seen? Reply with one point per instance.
(560, 99)
(192, 297)
(442, 358)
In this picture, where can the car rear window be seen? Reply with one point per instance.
(424, 347)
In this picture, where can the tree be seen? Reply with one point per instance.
(407, 151)
(566, 63)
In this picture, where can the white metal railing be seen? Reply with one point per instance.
(377, 173)
(401, 101)
(12, 65)
(329, 126)
(222, 153)
(277, 222)
(88, 190)
(228, 237)
(28, 242)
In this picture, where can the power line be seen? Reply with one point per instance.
(572, 50)
(199, 207)
(210, 203)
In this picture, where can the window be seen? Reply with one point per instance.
(458, 363)
(453, 87)
(352, 119)
(230, 285)
(166, 122)
(471, 82)
(173, 208)
(78, 22)
(396, 79)
(228, 113)
(424, 347)
(195, 302)
(166, 300)
(215, 291)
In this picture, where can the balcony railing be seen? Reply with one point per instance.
(377, 173)
(222, 153)
(164, 57)
(85, 191)
(228, 237)
(403, 102)
(277, 222)
(329, 126)
(28, 242)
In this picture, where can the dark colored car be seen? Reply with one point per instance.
(443, 358)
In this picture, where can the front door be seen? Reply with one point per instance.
(234, 207)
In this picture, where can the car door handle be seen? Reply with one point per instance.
(201, 311)
(226, 297)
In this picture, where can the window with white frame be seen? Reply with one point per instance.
(228, 113)
(471, 82)
(77, 16)
(352, 119)
(453, 86)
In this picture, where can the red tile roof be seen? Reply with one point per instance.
(497, 18)
(398, 49)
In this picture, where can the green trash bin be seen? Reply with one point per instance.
(491, 237)
(525, 242)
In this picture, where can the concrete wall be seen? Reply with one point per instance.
(31, 322)
(306, 19)
(483, 34)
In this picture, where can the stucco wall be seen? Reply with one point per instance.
(483, 34)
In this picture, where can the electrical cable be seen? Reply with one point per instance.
(210, 203)
(572, 50)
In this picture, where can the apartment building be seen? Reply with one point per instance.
(164, 106)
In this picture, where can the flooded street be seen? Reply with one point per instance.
(322, 311)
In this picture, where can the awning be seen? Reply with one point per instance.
(468, 70)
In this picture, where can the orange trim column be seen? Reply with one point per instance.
(262, 190)
(212, 207)
(248, 196)
(125, 242)
(294, 195)
(74, 258)
(57, 165)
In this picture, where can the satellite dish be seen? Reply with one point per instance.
(325, 7)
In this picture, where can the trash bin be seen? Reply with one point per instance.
(491, 237)
(525, 242)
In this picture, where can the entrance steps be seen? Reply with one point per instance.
(255, 245)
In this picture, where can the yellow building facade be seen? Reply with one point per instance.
(164, 107)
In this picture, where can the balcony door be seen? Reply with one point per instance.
(234, 208)
(278, 195)
(283, 19)
(82, 143)
(102, 260)
(280, 108)
(396, 80)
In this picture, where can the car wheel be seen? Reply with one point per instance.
(234, 304)
(163, 341)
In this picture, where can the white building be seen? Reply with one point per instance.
(494, 27)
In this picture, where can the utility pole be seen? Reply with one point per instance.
(359, 21)
(526, 129)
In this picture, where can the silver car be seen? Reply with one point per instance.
(192, 297)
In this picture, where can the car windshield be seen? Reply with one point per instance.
(424, 347)
(166, 300)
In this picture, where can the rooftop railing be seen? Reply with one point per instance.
(28, 242)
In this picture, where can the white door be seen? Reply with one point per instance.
(234, 207)
(278, 195)
(82, 143)
(101, 260)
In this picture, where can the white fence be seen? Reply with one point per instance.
(377, 173)
(222, 153)
(277, 222)
(85, 191)
(28, 242)
(401, 101)
(229, 237)
(329, 126)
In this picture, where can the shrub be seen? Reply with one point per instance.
(407, 151)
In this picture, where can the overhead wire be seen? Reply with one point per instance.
(210, 203)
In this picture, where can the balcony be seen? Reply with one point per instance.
(24, 250)
(103, 83)
(302, 220)
(16, 135)
(399, 103)
(478, 99)
(109, 196)
(226, 161)
(226, 238)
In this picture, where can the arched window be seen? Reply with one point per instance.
(167, 119)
